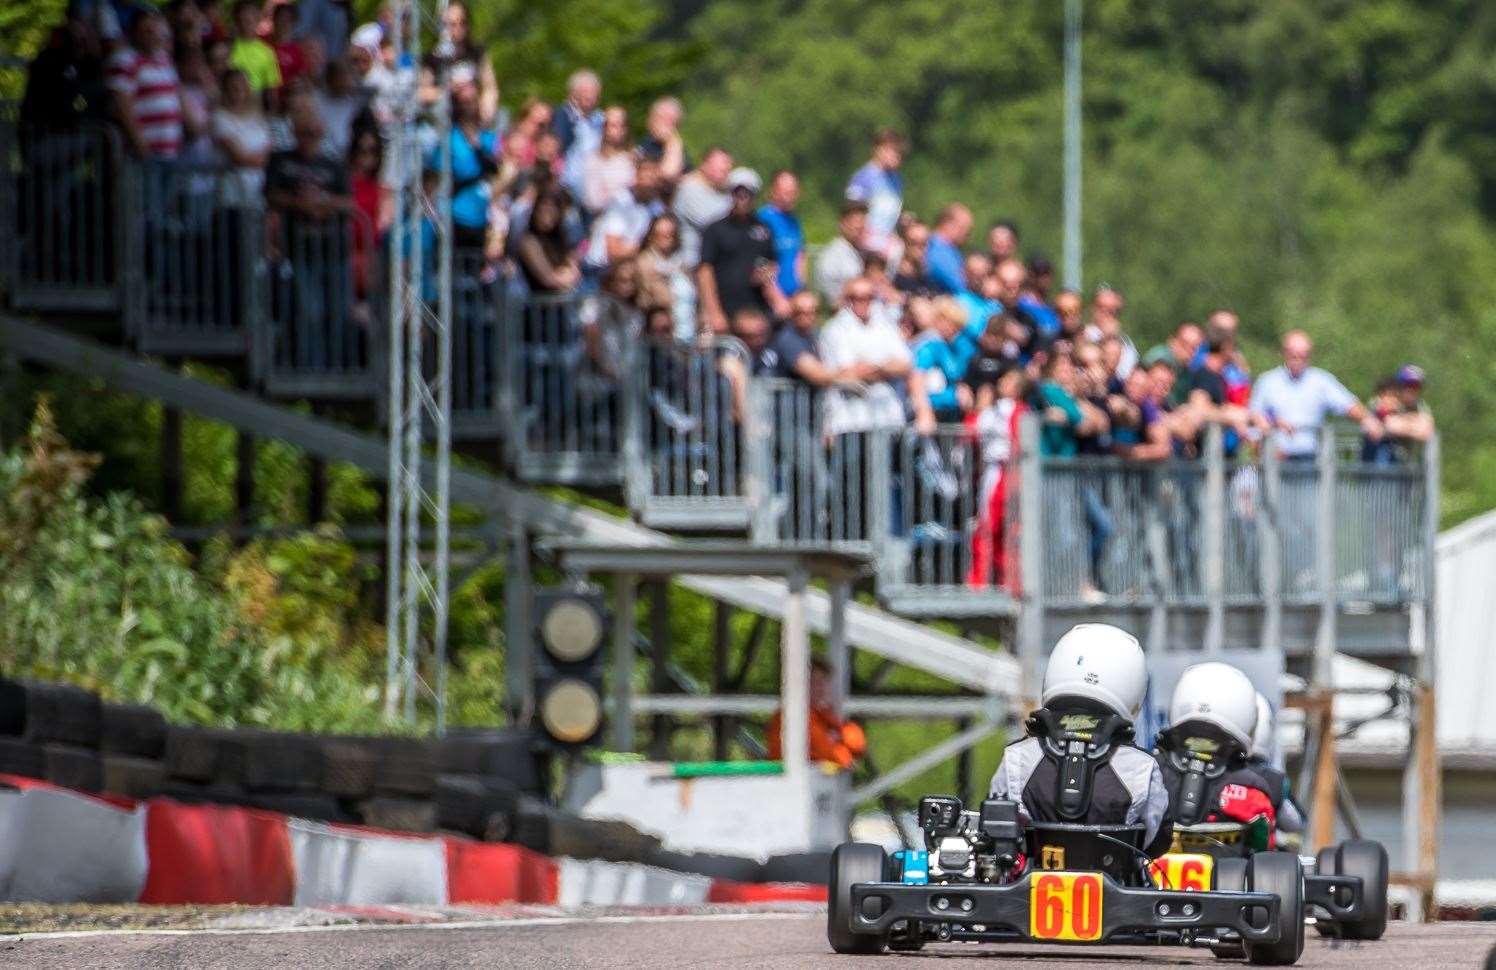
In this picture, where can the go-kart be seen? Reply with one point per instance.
(1345, 886)
(985, 877)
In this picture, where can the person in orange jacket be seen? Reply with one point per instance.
(831, 738)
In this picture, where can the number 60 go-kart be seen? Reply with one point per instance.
(984, 878)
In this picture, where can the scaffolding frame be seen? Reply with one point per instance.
(419, 405)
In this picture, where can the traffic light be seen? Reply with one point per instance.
(571, 624)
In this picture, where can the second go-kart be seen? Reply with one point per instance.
(1345, 887)
(984, 877)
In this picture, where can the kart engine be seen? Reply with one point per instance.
(985, 846)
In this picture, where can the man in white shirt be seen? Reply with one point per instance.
(701, 199)
(862, 347)
(1296, 398)
(841, 261)
(619, 231)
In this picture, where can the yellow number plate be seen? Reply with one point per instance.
(1189, 871)
(1065, 906)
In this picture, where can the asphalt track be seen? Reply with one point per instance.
(738, 941)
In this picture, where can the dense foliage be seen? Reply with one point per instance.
(273, 633)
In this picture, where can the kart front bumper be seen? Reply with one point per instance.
(1005, 910)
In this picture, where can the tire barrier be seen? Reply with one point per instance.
(405, 768)
(279, 762)
(813, 868)
(400, 814)
(130, 729)
(348, 766)
(40, 712)
(505, 755)
(133, 777)
(475, 806)
(20, 758)
(191, 753)
(731, 868)
(75, 768)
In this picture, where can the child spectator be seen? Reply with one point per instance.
(290, 56)
(253, 56)
(997, 432)
(147, 92)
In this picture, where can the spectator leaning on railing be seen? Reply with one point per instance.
(65, 82)
(664, 280)
(243, 139)
(1296, 398)
(1407, 421)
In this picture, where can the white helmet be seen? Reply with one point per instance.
(1218, 694)
(1099, 663)
(1262, 734)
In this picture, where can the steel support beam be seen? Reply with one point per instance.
(917, 766)
(794, 684)
(624, 588)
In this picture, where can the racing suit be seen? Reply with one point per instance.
(1126, 788)
(1239, 793)
(1290, 817)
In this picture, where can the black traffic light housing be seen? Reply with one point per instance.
(570, 637)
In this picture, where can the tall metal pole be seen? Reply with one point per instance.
(1072, 244)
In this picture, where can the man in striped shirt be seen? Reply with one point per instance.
(147, 95)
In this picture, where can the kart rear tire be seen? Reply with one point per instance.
(1281, 874)
(1230, 875)
(1367, 859)
(852, 863)
(1324, 865)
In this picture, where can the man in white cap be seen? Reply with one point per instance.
(738, 268)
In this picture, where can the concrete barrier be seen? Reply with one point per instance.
(626, 884)
(217, 854)
(58, 846)
(346, 867)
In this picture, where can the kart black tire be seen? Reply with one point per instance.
(1367, 859)
(807, 867)
(1230, 875)
(852, 863)
(1281, 874)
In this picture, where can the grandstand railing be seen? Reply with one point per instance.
(64, 207)
(579, 396)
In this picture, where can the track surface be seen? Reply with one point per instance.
(739, 941)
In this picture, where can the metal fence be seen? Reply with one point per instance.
(197, 258)
(564, 363)
(324, 337)
(477, 314)
(818, 489)
(62, 228)
(688, 434)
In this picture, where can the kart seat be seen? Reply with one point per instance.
(1089, 848)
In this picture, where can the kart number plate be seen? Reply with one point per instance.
(1188, 871)
(1065, 906)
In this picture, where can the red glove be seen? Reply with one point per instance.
(1246, 804)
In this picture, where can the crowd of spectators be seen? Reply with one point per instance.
(903, 320)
